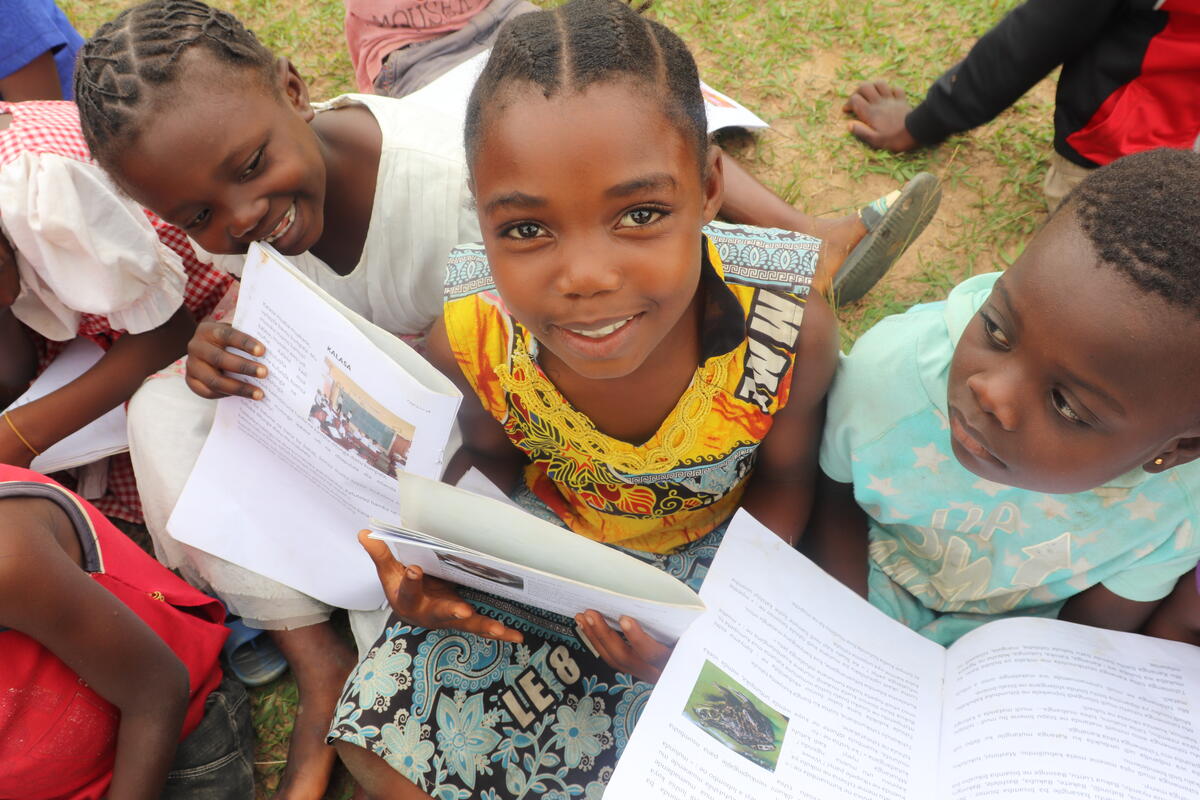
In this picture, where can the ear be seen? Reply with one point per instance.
(293, 87)
(1178, 453)
(714, 183)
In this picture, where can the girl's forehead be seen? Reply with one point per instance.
(614, 107)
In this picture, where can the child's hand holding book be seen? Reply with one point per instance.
(636, 652)
(210, 362)
(426, 601)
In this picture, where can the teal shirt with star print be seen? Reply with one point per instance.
(950, 550)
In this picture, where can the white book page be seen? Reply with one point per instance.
(283, 485)
(850, 698)
(1038, 708)
(536, 562)
(100, 437)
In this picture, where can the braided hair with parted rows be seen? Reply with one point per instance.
(586, 42)
(1141, 214)
(139, 52)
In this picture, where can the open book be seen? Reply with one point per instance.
(497, 548)
(101, 437)
(283, 485)
(791, 686)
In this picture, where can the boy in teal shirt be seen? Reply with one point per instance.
(1026, 446)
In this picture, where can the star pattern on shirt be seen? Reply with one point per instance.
(930, 458)
(883, 486)
(1110, 495)
(1142, 507)
(990, 488)
(1052, 507)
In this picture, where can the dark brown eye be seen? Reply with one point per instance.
(198, 220)
(1063, 407)
(639, 217)
(994, 333)
(523, 230)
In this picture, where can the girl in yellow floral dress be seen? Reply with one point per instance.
(635, 370)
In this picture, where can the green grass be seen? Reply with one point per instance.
(794, 62)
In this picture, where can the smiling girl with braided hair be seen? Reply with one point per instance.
(193, 116)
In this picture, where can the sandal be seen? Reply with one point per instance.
(893, 223)
(251, 657)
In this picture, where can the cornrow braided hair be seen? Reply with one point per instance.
(1142, 216)
(585, 42)
(141, 48)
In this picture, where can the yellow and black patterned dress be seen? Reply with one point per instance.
(462, 716)
(687, 478)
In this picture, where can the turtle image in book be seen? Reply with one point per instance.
(735, 717)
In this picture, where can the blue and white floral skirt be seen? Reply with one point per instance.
(464, 717)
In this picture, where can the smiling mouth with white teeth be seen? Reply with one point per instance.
(599, 333)
(283, 226)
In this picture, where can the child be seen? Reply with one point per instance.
(192, 115)
(1026, 447)
(367, 196)
(398, 46)
(637, 372)
(1127, 84)
(87, 262)
(110, 681)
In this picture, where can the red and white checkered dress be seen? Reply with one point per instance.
(52, 129)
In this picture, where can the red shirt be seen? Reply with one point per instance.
(57, 736)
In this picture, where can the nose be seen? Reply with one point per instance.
(588, 268)
(996, 393)
(244, 215)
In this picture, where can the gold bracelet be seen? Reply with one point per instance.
(24, 441)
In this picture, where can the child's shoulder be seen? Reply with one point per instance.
(769, 258)
(896, 371)
(408, 125)
(467, 272)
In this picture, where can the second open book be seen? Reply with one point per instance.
(791, 686)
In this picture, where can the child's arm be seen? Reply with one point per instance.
(112, 381)
(19, 362)
(485, 444)
(1178, 617)
(780, 491)
(37, 80)
(45, 594)
(837, 537)
(1101, 608)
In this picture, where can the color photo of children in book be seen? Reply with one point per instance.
(635, 371)
(1027, 447)
(351, 419)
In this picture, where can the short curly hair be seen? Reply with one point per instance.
(1142, 216)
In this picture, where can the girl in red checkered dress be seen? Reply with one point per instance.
(78, 258)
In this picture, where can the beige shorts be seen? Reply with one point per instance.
(1061, 178)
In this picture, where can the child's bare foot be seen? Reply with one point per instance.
(881, 110)
(320, 661)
